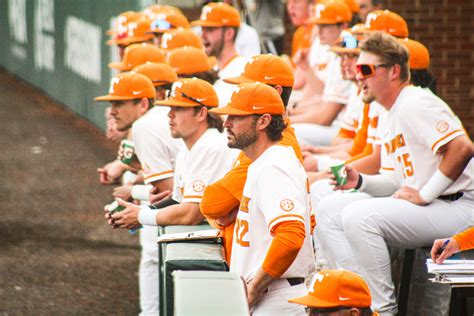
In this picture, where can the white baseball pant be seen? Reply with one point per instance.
(148, 272)
(355, 230)
(275, 302)
(314, 134)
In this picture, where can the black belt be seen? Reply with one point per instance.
(292, 282)
(451, 197)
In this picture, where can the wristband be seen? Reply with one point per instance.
(141, 192)
(435, 186)
(147, 216)
(359, 183)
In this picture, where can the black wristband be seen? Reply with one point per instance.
(359, 182)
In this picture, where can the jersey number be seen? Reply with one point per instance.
(241, 229)
(407, 165)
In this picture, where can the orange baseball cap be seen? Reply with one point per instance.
(218, 15)
(179, 38)
(419, 54)
(190, 60)
(388, 22)
(334, 288)
(129, 86)
(122, 20)
(136, 32)
(330, 12)
(169, 20)
(353, 5)
(137, 54)
(159, 73)
(190, 92)
(268, 69)
(253, 98)
(155, 9)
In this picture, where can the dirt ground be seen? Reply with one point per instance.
(57, 254)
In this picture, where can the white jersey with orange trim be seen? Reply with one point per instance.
(208, 160)
(155, 148)
(415, 128)
(353, 115)
(276, 190)
(318, 58)
(234, 68)
(375, 113)
(336, 89)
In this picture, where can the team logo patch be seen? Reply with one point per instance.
(146, 168)
(198, 186)
(442, 126)
(287, 205)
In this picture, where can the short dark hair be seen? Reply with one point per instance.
(424, 79)
(210, 76)
(236, 31)
(389, 50)
(275, 128)
(285, 94)
(213, 120)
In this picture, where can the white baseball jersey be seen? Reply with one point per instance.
(354, 113)
(417, 125)
(208, 161)
(233, 69)
(336, 89)
(376, 113)
(276, 190)
(318, 58)
(154, 146)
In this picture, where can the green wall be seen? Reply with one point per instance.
(59, 47)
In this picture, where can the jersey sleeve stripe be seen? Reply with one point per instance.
(285, 217)
(387, 168)
(435, 146)
(158, 174)
(192, 197)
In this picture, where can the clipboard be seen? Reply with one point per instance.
(206, 236)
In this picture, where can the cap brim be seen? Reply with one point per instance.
(238, 80)
(130, 40)
(228, 110)
(311, 301)
(119, 65)
(171, 102)
(343, 50)
(115, 98)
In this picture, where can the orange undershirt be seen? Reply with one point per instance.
(465, 239)
(288, 238)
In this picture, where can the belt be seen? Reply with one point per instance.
(282, 284)
(451, 197)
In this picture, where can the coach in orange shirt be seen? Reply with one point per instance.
(221, 199)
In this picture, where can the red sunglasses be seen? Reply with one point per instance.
(367, 70)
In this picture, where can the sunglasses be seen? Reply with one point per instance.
(350, 41)
(368, 70)
(160, 24)
(192, 99)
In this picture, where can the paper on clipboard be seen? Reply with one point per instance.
(200, 235)
(451, 267)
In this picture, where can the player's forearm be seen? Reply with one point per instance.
(368, 164)
(379, 185)
(179, 214)
(217, 201)
(456, 156)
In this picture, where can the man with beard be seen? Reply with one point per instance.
(425, 188)
(220, 24)
(271, 247)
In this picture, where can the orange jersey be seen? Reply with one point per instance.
(224, 195)
(465, 239)
(301, 38)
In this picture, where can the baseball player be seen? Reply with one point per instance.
(221, 199)
(137, 54)
(203, 160)
(271, 246)
(220, 23)
(132, 95)
(337, 292)
(179, 38)
(425, 187)
(167, 20)
(444, 248)
(317, 125)
(189, 62)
